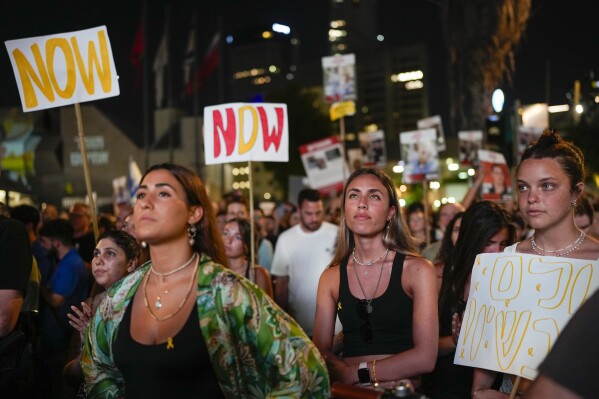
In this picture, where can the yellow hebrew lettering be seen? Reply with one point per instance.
(506, 278)
(538, 287)
(243, 145)
(63, 44)
(474, 324)
(484, 271)
(556, 287)
(580, 288)
(510, 330)
(476, 286)
(548, 328)
(530, 352)
(104, 72)
(27, 73)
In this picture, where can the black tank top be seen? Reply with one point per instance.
(390, 320)
(153, 371)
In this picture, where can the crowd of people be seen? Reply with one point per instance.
(183, 296)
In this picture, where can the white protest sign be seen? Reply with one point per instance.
(62, 69)
(323, 163)
(517, 306)
(240, 132)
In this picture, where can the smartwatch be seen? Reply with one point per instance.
(363, 373)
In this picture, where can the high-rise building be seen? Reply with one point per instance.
(259, 58)
(392, 90)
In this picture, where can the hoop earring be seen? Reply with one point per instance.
(191, 233)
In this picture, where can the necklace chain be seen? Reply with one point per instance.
(558, 252)
(147, 278)
(368, 301)
(183, 266)
(353, 254)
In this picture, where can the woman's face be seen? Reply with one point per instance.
(416, 221)
(544, 192)
(498, 242)
(234, 245)
(367, 206)
(497, 175)
(161, 212)
(109, 263)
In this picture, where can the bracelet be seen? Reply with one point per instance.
(476, 391)
(376, 381)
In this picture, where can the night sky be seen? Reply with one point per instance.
(561, 34)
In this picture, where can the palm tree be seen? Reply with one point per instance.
(481, 38)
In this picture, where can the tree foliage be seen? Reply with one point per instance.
(481, 37)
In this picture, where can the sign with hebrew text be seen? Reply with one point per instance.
(62, 69)
(240, 132)
(517, 306)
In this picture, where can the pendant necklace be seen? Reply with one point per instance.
(558, 252)
(368, 301)
(159, 304)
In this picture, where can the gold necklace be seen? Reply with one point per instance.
(180, 305)
(183, 266)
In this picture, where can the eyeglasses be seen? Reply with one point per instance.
(363, 308)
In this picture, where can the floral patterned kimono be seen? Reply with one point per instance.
(257, 350)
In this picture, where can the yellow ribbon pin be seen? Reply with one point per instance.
(462, 354)
(169, 343)
(538, 287)
(530, 352)
(338, 305)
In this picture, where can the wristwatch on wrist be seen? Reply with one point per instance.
(363, 373)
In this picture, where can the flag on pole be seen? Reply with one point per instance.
(189, 58)
(133, 177)
(209, 64)
(160, 63)
(135, 55)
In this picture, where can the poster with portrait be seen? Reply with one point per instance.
(373, 148)
(434, 122)
(470, 141)
(526, 135)
(355, 159)
(419, 153)
(324, 164)
(339, 76)
(497, 184)
(517, 306)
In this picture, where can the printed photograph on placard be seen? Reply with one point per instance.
(339, 74)
(419, 152)
(526, 135)
(373, 148)
(355, 159)
(323, 162)
(470, 141)
(434, 122)
(497, 183)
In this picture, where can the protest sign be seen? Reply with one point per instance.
(323, 163)
(339, 75)
(434, 122)
(239, 132)
(373, 148)
(62, 69)
(517, 306)
(419, 152)
(497, 184)
(470, 141)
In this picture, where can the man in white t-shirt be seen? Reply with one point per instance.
(301, 255)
